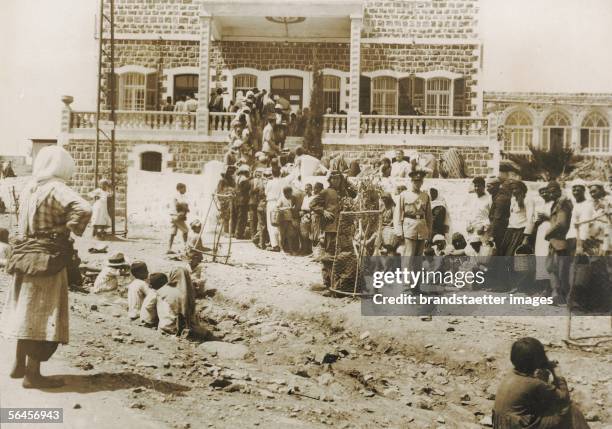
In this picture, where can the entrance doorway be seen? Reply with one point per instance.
(290, 88)
(185, 85)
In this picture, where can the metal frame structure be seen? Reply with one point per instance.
(106, 92)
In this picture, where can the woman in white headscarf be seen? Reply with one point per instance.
(36, 309)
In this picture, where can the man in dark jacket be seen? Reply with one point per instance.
(499, 214)
(558, 261)
(327, 205)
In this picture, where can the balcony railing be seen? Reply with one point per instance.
(333, 125)
(137, 120)
(423, 125)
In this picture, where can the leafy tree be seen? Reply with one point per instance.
(545, 164)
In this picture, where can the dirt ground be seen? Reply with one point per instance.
(294, 358)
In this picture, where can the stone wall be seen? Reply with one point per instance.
(476, 157)
(185, 157)
(445, 19)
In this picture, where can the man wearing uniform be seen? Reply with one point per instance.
(327, 205)
(413, 218)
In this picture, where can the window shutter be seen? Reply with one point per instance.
(459, 98)
(114, 96)
(364, 94)
(405, 97)
(418, 94)
(584, 138)
(151, 101)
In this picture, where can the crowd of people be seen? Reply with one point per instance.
(42, 258)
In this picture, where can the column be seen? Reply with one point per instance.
(204, 79)
(537, 130)
(65, 120)
(354, 116)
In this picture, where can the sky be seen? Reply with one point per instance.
(48, 50)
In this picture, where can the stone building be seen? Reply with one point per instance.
(396, 73)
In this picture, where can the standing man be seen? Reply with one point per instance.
(558, 262)
(241, 200)
(413, 218)
(582, 211)
(191, 105)
(178, 215)
(400, 167)
(478, 224)
(326, 205)
(36, 309)
(499, 214)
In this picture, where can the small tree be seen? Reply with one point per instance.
(313, 132)
(546, 164)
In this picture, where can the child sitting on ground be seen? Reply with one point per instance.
(138, 289)
(5, 247)
(148, 310)
(108, 279)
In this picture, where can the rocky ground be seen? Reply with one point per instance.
(289, 357)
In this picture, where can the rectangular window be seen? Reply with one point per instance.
(331, 92)
(384, 96)
(438, 97)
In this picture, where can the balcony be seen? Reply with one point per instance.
(179, 124)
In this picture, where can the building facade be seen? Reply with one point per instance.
(397, 73)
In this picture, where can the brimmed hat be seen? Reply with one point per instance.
(116, 260)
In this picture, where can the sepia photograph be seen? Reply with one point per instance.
(306, 214)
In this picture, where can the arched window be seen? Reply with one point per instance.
(384, 96)
(595, 133)
(244, 83)
(438, 97)
(331, 91)
(557, 131)
(151, 161)
(518, 132)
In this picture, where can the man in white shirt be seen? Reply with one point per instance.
(180, 105)
(400, 167)
(582, 211)
(480, 204)
(191, 105)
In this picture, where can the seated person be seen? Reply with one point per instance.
(138, 289)
(108, 279)
(5, 247)
(439, 245)
(176, 303)
(148, 310)
(526, 398)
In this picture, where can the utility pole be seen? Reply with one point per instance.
(107, 91)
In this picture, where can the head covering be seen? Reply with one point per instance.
(438, 237)
(52, 162)
(116, 260)
(195, 224)
(157, 280)
(418, 173)
(553, 184)
(579, 182)
(250, 94)
(243, 169)
(597, 183)
(104, 182)
(179, 278)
